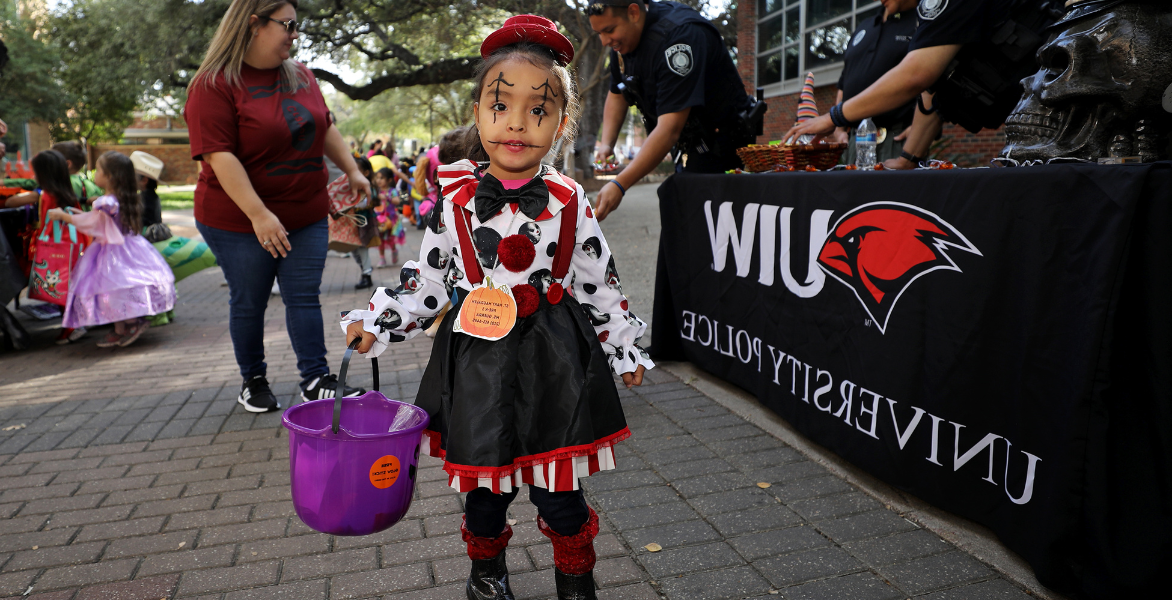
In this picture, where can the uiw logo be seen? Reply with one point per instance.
(877, 250)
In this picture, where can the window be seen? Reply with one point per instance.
(796, 36)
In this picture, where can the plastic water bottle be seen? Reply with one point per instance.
(866, 137)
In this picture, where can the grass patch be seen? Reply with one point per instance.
(177, 200)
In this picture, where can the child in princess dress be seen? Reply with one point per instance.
(121, 278)
(524, 395)
(392, 233)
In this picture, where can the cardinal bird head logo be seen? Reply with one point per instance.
(879, 249)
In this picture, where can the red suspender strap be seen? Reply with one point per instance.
(467, 251)
(569, 229)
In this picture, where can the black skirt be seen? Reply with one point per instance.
(538, 406)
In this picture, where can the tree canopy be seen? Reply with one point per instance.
(102, 58)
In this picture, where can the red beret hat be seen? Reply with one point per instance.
(529, 28)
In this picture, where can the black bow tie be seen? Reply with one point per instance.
(491, 197)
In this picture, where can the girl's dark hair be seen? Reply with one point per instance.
(364, 165)
(540, 56)
(387, 174)
(52, 174)
(151, 185)
(122, 179)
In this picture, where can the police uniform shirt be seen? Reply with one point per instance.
(876, 48)
(947, 22)
(689, 68)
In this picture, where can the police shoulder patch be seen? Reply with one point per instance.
(930, 9)
(679, 59)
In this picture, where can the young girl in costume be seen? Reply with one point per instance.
(121, 278)
(51, 170)
(538, 405)
(390, 223)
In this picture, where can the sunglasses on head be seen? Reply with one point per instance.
(290, 25)
(595, 9)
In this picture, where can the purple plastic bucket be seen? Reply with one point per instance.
(359, 480)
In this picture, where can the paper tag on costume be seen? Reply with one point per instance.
(489, 312)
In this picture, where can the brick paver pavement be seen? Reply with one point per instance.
(133, 474)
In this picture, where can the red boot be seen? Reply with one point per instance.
(489, 579)
(573, 559)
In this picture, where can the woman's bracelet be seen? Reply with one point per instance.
(923, 109)
(912, 158)
(839, 119)
(621, 188)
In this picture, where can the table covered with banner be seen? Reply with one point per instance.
(997, 342)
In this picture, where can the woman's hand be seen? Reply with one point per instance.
(629, 379)
(355, 331)
(271, 233)
(359, 184)
(821, 127)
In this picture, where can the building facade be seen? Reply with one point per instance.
(779, 41)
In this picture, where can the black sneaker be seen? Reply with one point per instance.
(256, 396)
(364, 283)
(326, 386)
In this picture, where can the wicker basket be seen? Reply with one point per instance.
(821, 156)
(759, 158)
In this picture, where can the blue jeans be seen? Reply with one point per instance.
(250, 271)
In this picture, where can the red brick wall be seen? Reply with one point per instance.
(178, 168)
(956, 145)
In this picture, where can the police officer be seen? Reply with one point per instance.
(877, 46)
(672, 64)
(972, 53)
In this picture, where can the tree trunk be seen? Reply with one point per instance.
(593, 83)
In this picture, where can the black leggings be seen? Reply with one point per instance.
(564, 512)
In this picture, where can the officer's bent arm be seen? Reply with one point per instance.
(658, 143)
(916, 73)
(614, 112)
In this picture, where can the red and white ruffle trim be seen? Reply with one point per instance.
(556, 471)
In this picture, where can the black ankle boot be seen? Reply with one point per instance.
(364, 283)
(574, 587)
(489, 579)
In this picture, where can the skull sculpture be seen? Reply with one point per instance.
(1103, 88)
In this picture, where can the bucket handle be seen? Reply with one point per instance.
(342, 381)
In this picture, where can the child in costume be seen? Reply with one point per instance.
(52, 176)
(121, 278)
(538, 405)
(390, 223)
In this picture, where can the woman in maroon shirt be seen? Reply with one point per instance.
(259, 123)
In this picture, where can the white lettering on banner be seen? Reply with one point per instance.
(723, 233)
(690, 325)
(859, 406)
(819, 228)
(768, 238)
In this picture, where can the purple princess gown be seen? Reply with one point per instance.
(120, 276)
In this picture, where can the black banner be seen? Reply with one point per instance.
(994, 341)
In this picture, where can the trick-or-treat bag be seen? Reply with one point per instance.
(345, 220)
(55, 253)
(353, 461)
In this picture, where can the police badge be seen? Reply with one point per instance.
(930, 9)
(679, 59)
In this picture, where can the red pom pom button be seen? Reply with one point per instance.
(623, 304)
(555, 293)
(589, 213)
(602, 336)
(516, 253)
(527, 299)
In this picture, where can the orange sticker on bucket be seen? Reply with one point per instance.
(384, 472)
